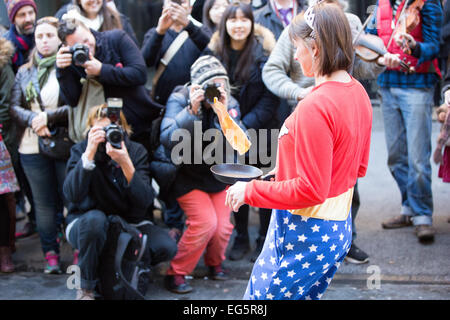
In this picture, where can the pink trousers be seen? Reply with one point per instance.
(208, 228)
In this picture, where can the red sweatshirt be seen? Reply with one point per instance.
(323, 148)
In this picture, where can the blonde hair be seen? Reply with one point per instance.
(99, 112)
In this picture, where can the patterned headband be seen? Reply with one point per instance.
(309, 13)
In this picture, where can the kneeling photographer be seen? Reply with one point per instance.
(107, 174)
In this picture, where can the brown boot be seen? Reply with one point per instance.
(425, 233)
(397, 222)
(6, 264)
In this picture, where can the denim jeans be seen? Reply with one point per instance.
(407, 122)
(46, 178)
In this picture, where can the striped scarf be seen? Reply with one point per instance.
(23, 45)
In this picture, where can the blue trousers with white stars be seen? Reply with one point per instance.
(299, 258)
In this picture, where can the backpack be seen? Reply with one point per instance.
(124, 265)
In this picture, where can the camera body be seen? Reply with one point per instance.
(211, 92)
(114, 133)
(80, 54)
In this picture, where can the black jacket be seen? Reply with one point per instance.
(123, 75)
(193, 175)
(178, 70)
(20, 109)
(105, 188)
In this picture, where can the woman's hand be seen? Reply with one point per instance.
(39, 122)
(165, 21)
(96, 136)
(122, 158)
(196, 96)
(43, 132)
(179, 14)
(236, 196)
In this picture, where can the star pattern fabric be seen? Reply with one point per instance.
(299, 258)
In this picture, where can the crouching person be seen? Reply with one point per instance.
(103, 180)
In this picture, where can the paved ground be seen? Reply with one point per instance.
(407, 269)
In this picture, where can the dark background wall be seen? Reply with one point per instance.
(143, 14)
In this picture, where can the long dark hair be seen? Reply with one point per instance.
(242, 68)
(111, 19)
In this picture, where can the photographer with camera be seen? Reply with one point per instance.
(107, 174)
(198, 193)
(114, 60)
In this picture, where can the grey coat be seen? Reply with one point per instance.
(282, 74)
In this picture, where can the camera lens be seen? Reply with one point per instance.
(79, 57)
(211, 92)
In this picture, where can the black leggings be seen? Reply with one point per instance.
(241, 220)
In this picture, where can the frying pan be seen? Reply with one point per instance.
(230, 173)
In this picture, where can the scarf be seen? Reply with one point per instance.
(44, 67)
(22, 43)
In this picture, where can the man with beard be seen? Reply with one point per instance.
(22, 15)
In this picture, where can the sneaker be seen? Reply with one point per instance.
(52, 266)
(397, 222)
(240, 247)
(356, 255)
(83, 294)
(257, 251)
(425, 233)
(177, 284)
(27, 231)
(217, 273)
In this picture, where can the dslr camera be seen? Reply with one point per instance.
(114, 133)
(80, 54)
(211, 92)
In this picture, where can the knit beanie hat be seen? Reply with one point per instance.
(12, 6)
(207, 68)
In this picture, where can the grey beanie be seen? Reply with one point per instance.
(207, 68)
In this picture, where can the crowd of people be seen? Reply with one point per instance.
(285, 65)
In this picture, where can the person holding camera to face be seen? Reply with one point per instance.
(107, 174)
(114, 60)
(198, 193)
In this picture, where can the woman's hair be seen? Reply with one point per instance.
(331, 34)
(99, 112)
(206, 20)
(111, 19)
(242, 69)
(54, 22)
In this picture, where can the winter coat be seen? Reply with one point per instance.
(20, 109)
(105, 188)
(177, 71)
(6, 84)
(123, 75)
(190, 176)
